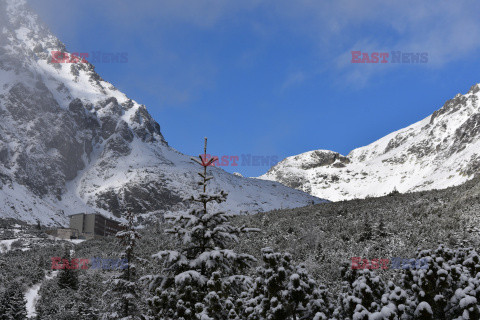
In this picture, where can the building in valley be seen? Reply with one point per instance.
(63, 233)
(94, 225)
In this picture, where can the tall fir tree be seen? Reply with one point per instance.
(204, 278)
(68, 276)
(124, 292)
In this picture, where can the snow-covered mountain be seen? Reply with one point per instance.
(71, 142)
(437, 152)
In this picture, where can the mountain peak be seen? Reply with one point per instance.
(71, 142)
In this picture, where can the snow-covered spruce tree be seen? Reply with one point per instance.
(85, 298)
(396, 304)
(449, 286)
(361, 294)
(68, 276)
(203, 279)
(13, 304)
(283, 290)
(122, 297)
(40, 268)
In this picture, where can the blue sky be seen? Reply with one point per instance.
(275, 78)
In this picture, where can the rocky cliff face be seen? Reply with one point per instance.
(71, 142)
(439, 151)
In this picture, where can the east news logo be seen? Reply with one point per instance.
(395, 57)
(93, 263)
(397, 263)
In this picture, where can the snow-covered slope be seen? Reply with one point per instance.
(71, 142)
(439, 151)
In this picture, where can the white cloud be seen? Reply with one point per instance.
(447, 30)
(294, 79)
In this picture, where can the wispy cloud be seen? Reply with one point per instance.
(294, 79)
(447, 30)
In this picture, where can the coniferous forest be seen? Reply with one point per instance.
(208, 264)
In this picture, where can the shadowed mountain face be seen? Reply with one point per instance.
(439, 151)
(71, 142)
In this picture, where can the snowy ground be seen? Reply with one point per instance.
(6, 245)
(74, 241)
(32, 295)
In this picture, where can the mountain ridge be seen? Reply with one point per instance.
(71, 142)
(434, 153)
